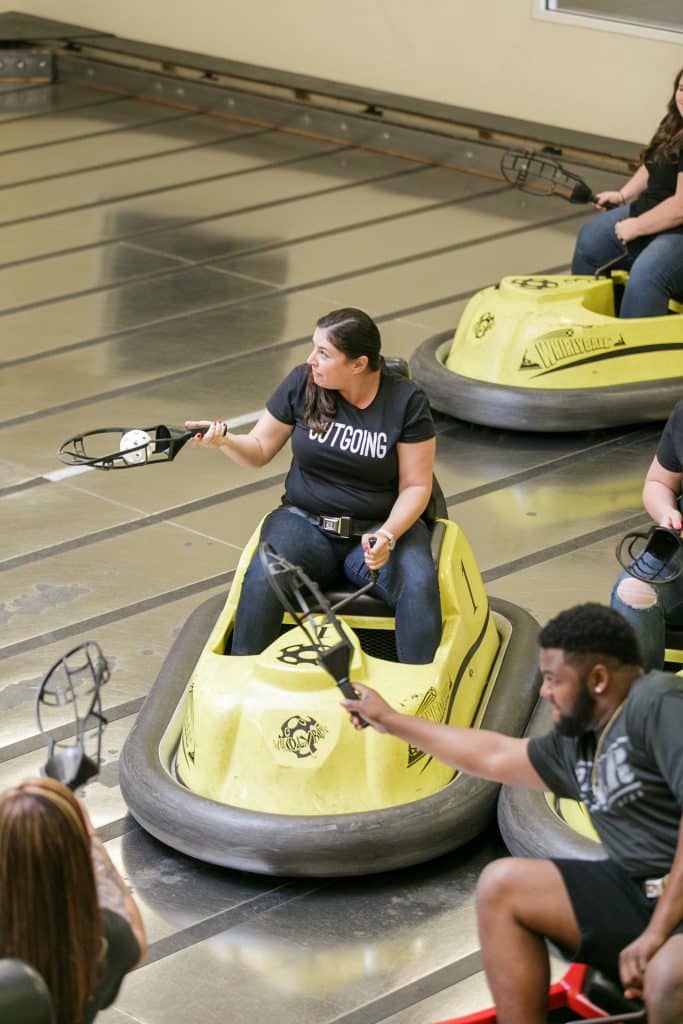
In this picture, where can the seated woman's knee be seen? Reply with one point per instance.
(586, 234)
(421, 585)
(636, 593)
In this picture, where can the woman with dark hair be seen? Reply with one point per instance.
(647, 219)
(64, 908)
(363, 447)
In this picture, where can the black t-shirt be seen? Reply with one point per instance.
(670, 449)
(661, 184)
(635, 794)
(121, 956)
(351, 469)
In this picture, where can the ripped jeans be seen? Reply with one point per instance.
(649, 618)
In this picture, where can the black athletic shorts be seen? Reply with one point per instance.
(611, 909)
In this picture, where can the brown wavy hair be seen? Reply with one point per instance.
(666, 142)
(49, 912)
(355, 334)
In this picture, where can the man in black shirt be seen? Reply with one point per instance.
(617, 745)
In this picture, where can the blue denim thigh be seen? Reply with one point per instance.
(259, 613)
(655, 276)
(596, 242)
(408, 583)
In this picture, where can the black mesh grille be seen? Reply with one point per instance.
(378, 643)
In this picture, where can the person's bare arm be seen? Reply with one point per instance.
(667, 914)
(489, 755)
(254, 449)
(629, 192)
(415, 476)
(113, 893)
(662, 217)
(661, 492)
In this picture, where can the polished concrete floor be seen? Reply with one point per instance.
(159, 265)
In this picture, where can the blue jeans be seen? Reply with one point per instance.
(655, 274)
(650, 623)
(407, 583)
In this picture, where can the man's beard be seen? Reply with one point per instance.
(581, 717)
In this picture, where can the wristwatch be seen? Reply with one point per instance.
(389, 536)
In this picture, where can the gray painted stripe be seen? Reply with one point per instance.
(116, 615)
(36, 742)
(127, 389)
(193, 222)
(248, 910)
(225, 176)
(441, 250)
(52, 476)
(140, 126)
(632, 522)
(25, 485)
(413, 992)
(117, 828)
(372, 1012)
(132, 159)
(262, 297)
(99, 102)
(140, 523)
(631, 436)
(12, 488)
(458, 297)
(235, 255)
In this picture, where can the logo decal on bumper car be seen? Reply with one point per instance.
(300, 735)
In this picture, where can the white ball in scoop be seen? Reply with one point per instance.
(133, 439)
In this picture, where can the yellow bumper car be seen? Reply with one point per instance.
(549, 353)
(250, 762)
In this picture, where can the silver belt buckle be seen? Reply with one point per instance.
(654, 887)
(331, 523)
(345, 527)
(341, 525)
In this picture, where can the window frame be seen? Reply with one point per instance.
(544, 11)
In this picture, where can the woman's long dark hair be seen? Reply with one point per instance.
(666, 142)
(355, 334)
(49, 911)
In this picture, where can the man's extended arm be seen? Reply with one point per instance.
(490, 755)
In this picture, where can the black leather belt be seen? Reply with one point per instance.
(341, 526)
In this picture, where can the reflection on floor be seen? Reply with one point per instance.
(161, 265)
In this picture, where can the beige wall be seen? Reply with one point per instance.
(486, 54)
